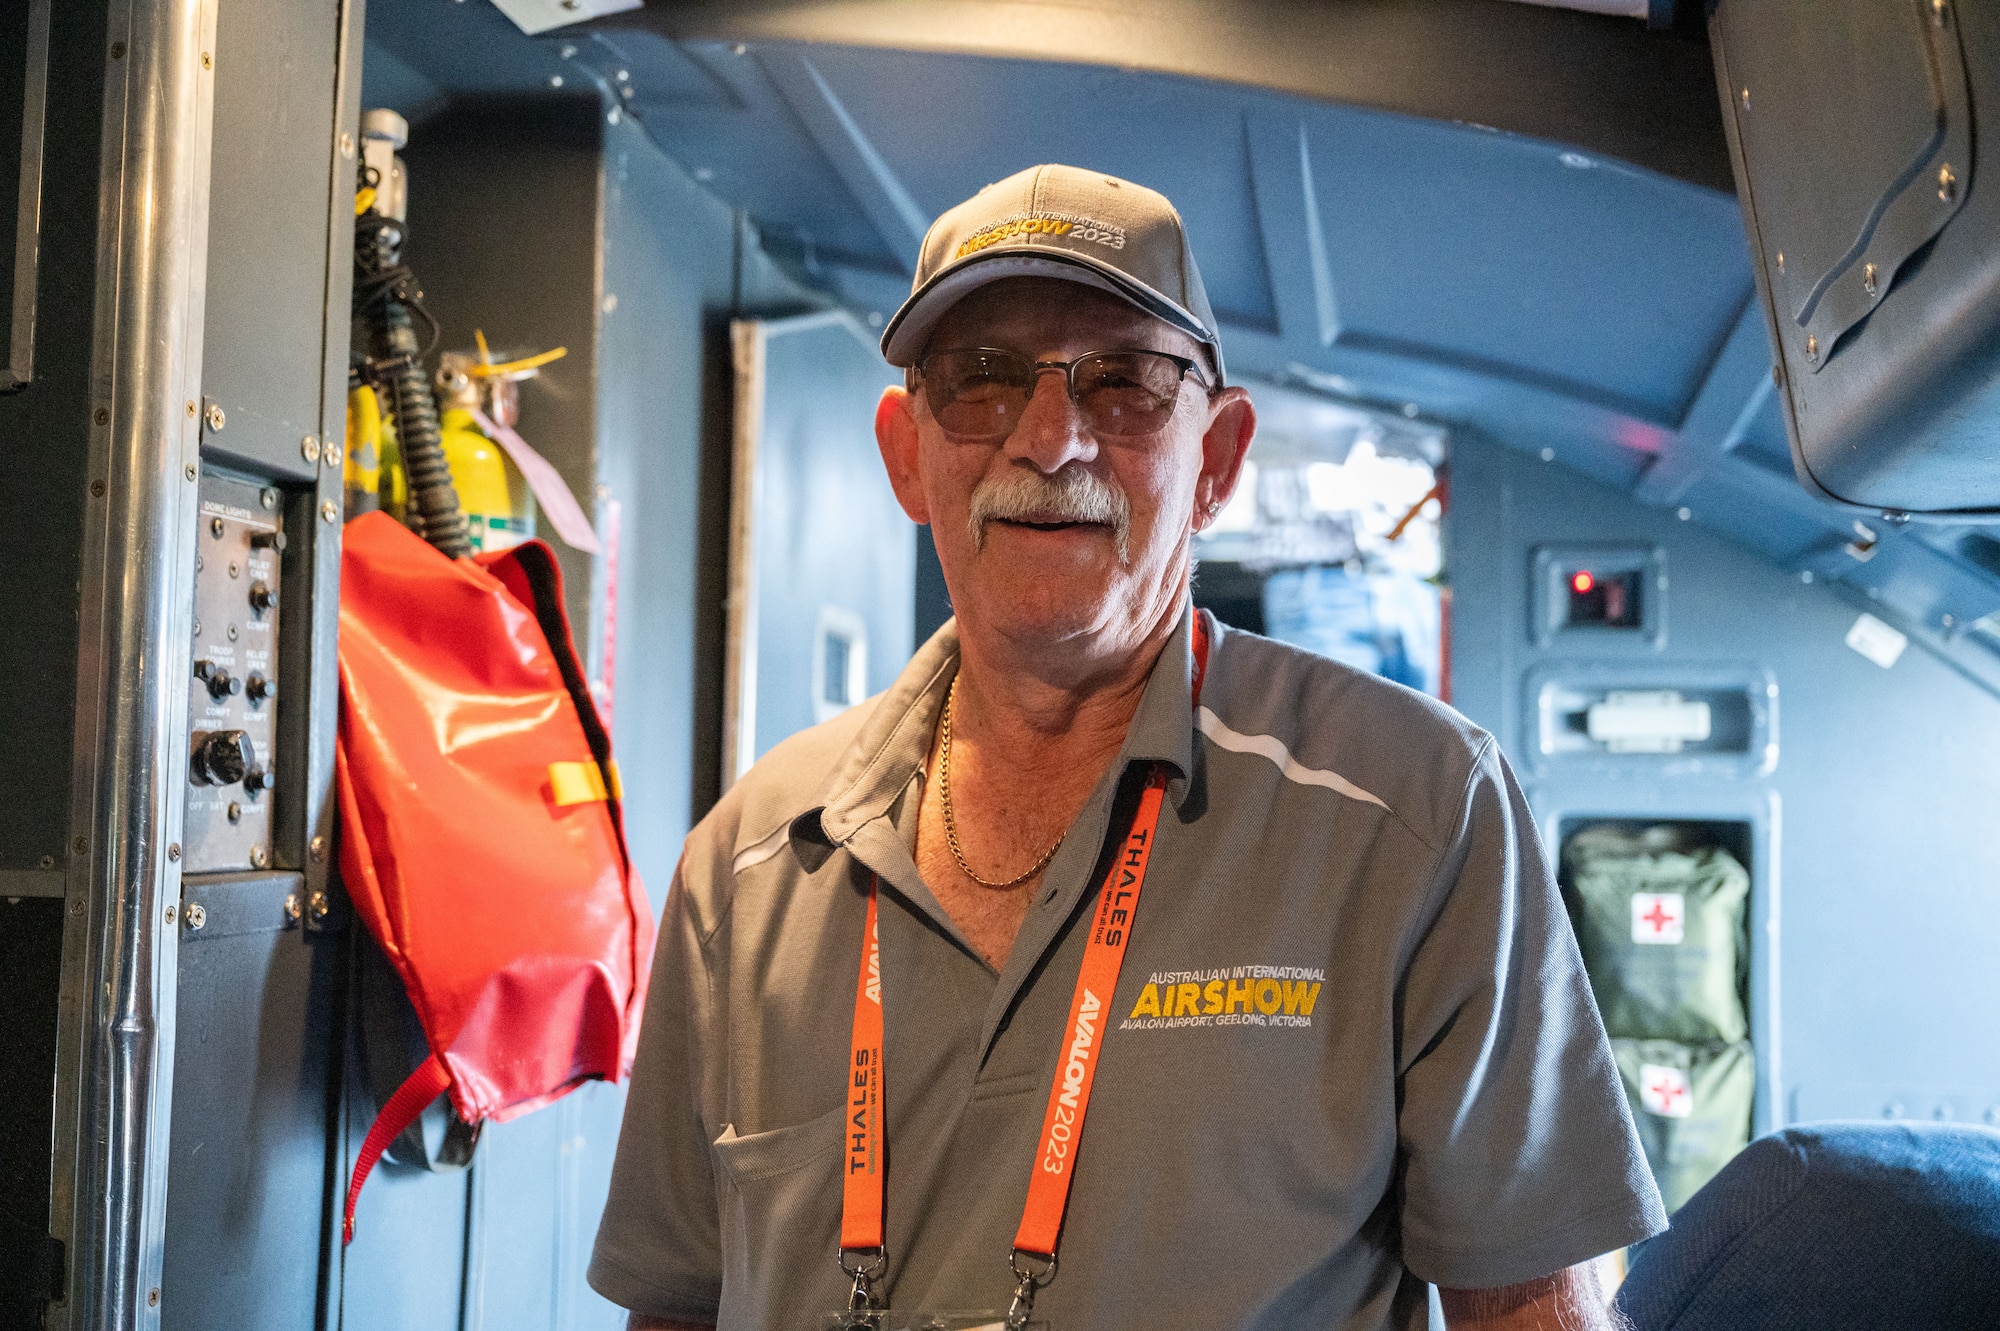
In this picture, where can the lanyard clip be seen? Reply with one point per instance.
(866, 1266)
(1029, 1277)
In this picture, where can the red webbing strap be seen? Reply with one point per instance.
(429, 1081)
(862, 1183)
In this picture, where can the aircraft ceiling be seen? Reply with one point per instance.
(1592, 312)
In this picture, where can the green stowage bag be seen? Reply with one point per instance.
(1692, 1107)
(1662, 934)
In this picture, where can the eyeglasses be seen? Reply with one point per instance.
(981, 393)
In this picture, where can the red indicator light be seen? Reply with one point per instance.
(1582, 582)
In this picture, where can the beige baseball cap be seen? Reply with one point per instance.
(1062, 222)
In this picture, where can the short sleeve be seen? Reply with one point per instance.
(1518, 1154)
(658, 1249)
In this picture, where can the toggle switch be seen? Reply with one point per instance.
(262, 597)
(267, 540)
(258, 778)
(222, 757)
(221, 684)
(257, 688)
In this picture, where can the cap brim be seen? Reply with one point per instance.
(911, 328)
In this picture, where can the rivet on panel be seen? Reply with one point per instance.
(79, 845)
(189, 471)
(318, 905)
(170, 914)
(318, 850)
(292, 907)
(1812, 348)
(309, 448)
(1548, 455)
(268, 498)
(1947, 184)
(97, 489)
(332, 454)
(216, 420)
(48, 861)
(207, 60)
(1868, 282)
(329, 511)
(259, 857)
(1684, 514)
(346, 144)
(196, 917)
(174, 850)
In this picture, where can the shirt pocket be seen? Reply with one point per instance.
(780, 1201)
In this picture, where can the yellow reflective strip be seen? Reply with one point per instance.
(617, 785)
(576, 783)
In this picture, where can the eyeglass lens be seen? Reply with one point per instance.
(981, 394)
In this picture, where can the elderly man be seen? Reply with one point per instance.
(1111, 970)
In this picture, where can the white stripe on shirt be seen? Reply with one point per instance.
(757, 852)
(1268, 746)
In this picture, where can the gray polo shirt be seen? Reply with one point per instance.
(1352, 1047)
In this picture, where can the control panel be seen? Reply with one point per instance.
(233, 696)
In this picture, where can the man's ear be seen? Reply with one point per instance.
(1232, 421)
(896, 435)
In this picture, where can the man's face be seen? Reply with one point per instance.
(1054, 531)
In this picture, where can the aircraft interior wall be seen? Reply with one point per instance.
(1872, 830)
(547, 229)
(1857, 794)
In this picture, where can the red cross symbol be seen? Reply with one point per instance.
(1667, 1090)
(1659, 918)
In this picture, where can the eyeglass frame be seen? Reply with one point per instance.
(1185, 364)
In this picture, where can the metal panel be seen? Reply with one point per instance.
(255, 1037)
(234, 695)
(113, 1100)
(1852, 130)
(264, 368)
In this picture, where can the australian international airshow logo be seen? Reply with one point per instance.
(1281, 996)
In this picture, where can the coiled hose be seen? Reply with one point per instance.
(385, 298)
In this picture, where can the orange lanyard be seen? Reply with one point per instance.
(863, 1254)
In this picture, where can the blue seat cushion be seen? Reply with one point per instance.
(1829, 1226)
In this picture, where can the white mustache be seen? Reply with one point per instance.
(1022, 494)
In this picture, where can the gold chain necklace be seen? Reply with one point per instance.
(951, 824)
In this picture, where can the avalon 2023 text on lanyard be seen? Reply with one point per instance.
(863, 1248)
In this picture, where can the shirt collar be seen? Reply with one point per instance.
(896, 739)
